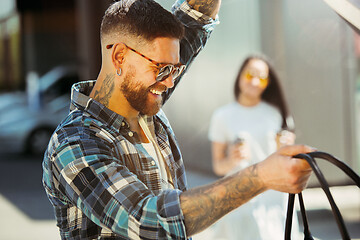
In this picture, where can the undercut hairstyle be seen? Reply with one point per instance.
(273, 94)
(142, 19)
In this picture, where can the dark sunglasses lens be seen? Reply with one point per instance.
(164, 73)
(178, 71)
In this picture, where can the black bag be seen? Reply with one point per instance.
(324, 185)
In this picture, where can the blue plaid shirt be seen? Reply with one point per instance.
(101, 181)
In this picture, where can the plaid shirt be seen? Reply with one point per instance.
(101, 181)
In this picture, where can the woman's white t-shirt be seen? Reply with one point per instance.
(256, 125)
(262, 218)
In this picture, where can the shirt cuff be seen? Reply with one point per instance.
(170, 213)
(208, 23)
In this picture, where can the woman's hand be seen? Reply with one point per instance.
(227, 157)
(285, 138)
(238, 152)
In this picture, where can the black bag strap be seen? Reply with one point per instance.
(325, 186)
(307, 233)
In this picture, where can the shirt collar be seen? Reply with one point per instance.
(80, 100)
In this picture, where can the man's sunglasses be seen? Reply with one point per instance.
(165, 70)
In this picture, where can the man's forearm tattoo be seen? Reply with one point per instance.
(107, 87)
(205, 205)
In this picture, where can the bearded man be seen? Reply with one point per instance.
(113, 168)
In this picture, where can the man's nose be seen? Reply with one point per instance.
(169, 81)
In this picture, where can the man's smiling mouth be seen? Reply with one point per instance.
(154, 91)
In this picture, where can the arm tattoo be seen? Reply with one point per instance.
(203, 206)
(107, 87)
(207, 7)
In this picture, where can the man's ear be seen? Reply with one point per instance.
(118, 54)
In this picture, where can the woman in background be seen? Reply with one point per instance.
(245, 132)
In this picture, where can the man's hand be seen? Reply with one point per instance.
(204, 205)
(283, 173)
(207, 7)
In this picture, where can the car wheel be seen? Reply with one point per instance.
(38, 141)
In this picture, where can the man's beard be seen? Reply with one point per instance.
(137, 95)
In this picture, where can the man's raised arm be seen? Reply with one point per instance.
(207, 7)
(199, 19)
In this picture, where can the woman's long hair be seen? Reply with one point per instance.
(273, 93)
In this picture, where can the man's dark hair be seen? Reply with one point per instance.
(144, 19)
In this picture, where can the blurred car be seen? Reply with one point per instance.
(24, 129)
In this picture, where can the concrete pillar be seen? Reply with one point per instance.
(89, 15)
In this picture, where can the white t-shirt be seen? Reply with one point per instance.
(153, 150)
(262, 218)
(256, 125)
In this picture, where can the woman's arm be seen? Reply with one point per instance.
(226, 157)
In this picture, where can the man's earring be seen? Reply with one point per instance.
(118, 72)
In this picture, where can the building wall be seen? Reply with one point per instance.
(60, 33)
(10, 58)
(89, 15)
(208, 83)
(49, 39)
(312, 50)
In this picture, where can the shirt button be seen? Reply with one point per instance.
(123, 124)
(153, 163)
(131, 134)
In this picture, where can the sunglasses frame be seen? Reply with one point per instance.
(161, 66)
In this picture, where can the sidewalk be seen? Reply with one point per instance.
(15, 224)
